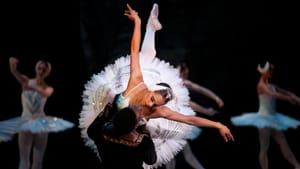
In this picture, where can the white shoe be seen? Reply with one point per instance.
(153, 19)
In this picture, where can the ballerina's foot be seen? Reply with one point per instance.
(154, 18)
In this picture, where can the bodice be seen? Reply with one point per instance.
(32, 102)
(267, 103)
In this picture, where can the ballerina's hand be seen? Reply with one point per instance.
(13, 62)
(131, 14)
(220, 102)
(292, 100)
(226, 134)
(296, 99)
(212, 111)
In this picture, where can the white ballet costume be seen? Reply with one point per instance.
(169, 136)
(34, 119)
(266, 116)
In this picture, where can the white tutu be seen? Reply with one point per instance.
(266, 116)
(8, 128)
(277, 120)
(169, 136)
(196, 131)
(45, 124)
(38, 124)
(33, 117)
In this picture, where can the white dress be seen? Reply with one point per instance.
(169, 136)
(33, 117)
(266, 116)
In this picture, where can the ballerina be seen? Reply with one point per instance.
(34, 124)
(269, 122)
(144, 80)
(188, 154)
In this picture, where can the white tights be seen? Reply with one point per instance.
(35, 142)
(264, 138)
(148, 46)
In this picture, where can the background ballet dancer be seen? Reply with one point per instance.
(187, 151)
(269, 122)
(35, 124)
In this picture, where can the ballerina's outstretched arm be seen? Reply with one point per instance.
(293, 96)
(135, 69)
(165, 112)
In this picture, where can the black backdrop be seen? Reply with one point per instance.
(222, 41)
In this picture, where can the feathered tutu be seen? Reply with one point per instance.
(196, 131)
(8, 128)
(45, 124)
(276, 120)
(169, 136)
(38, 124)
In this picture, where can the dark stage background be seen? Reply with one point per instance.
(222, 41)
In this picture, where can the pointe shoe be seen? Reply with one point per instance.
(153, 19)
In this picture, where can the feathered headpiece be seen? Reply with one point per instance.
(158, 87)
(264, 69)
